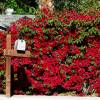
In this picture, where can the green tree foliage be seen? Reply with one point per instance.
(20, 6)
(27, 6)
(79, 5)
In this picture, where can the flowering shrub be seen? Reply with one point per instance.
(65, 54)
(2, 61)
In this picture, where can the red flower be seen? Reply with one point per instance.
(78, 88)
(13, 29)
(75, 49)
(67, 85)
(28, 72)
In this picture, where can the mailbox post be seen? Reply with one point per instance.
(8, 53)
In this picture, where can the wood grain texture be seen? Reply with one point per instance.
(8, 53)
(13, 53)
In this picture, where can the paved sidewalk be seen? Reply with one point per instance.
(24, 97)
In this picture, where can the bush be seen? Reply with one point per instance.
(65, 55)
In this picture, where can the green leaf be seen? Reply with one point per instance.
(94, 31)
(82, 49)
(46, 31)
(33, 32)
(70, 40)
(2, 72)
(80, 39)
(72, 25)
(67, 77)
(76, 56)
(4, 81)
(26, 29)
(84, 34)
(51, 22)
(15, 75)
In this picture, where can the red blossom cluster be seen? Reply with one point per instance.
(57, 64)
(2, 46)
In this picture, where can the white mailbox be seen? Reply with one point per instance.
(20, 45)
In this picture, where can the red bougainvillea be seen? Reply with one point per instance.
(65, 54)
